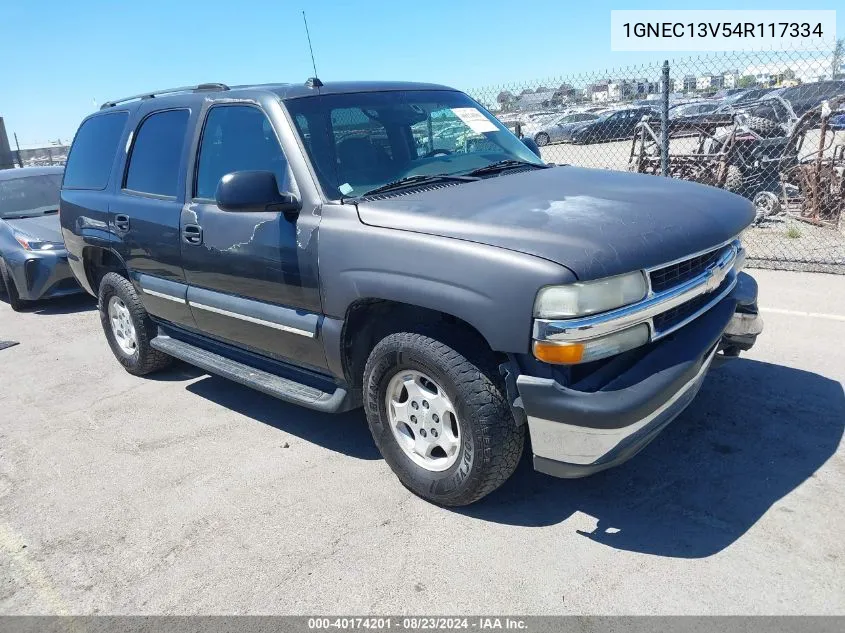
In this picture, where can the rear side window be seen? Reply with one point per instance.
(157, 154)
(94, 148)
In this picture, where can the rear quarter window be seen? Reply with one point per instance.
(92, 153)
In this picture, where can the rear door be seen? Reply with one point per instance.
(85, 190)
(145, 213)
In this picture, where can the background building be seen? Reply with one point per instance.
(7, 158)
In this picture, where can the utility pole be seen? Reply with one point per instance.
(18, 147)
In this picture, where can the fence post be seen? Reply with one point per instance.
(664, 121)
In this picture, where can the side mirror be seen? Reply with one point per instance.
(530, 144)
(253, 191)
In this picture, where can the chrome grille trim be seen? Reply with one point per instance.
(708, 281)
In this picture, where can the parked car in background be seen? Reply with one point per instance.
(687, 116)
(723, 113)
(776, 112)
(748, 96)
(729, 94)
(557, 128)
(837, 122)
(807, 96)
(611, 126)
(33, 259)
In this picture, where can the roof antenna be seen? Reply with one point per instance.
(312, 82)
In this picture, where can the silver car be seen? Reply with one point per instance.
(33, 259)
(556, 129)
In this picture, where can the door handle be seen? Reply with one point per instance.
(121, 222)
(192, 234)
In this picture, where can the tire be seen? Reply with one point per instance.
(13, 297)
(764, 127)
(490, 441)
(542, 139)
(143, 359)
(766, 204)
(734, 179)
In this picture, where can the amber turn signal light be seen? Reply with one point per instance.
(559, 353)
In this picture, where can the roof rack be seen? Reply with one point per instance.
(211, 87)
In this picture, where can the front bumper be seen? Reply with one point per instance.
(577, 433)
(42, 275)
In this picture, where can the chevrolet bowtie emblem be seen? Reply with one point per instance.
(717, 276)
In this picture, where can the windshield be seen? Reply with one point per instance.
(30, 195)
(360, 141)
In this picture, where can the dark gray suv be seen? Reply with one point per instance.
(394, 246)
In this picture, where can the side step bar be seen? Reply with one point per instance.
(276, 386)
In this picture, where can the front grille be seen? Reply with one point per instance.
(667, 320)
(680, 272)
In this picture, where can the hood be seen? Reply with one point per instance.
(597, 223)
(44, 227)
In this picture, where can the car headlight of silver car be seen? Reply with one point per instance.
(590, 297)
(35, 244)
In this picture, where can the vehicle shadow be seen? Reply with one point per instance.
(755, 432)
(345, 433)
(63, 305)
(176, 372)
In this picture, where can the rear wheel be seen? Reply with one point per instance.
(128, 327)
(542, 139)
(439, 416)
(15, 302)
(766, 203)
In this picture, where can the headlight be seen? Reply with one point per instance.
(34, 244)
(570, 353)
(580, 299)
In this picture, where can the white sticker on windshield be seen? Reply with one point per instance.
(345, 188)
(476, 121)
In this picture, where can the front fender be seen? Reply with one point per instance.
(491, 288)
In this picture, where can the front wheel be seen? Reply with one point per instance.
(440, 417)
(542, 139)
(15, 302)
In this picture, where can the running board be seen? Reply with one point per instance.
(265, 382)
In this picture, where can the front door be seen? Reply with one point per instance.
(252, 276)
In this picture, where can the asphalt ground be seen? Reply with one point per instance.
(182, 493)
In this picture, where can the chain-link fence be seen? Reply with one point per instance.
(34, 157)
(769, 126)
(43, 156)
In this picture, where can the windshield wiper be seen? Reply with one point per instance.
(30, 214)
(413, 181)
(504, 165)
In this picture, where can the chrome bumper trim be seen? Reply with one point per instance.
(580, 445)
(584, 328)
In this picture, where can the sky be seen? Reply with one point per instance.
(60, 57)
